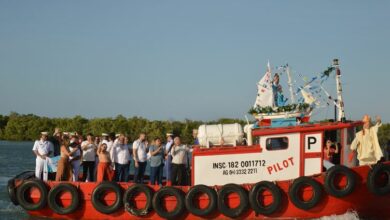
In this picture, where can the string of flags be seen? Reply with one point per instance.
(312, 87)
(323, 76)
(317, 88)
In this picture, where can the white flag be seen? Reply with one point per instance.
(265, 96)
(308, 97)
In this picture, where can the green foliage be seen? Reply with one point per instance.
(328, 71)
(3, 123)
(28, 127)
(286, 108)
(19, 127)
(384, 134)
(25, 127)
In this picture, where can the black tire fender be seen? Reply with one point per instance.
(22, 190)
(296, 186)
(169, 191)
(100, 190)
(57, 190)
(224, 192)
(131, 192)
(257, 205)
(377, 170)
(211, 194)
(329, 185)
(12, 191)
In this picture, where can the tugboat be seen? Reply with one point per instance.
(279, 173)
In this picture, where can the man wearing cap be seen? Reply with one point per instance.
(42, 149)
(104, 138)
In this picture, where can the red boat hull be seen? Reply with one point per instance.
(360, 200)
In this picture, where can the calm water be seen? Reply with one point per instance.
(16, 157)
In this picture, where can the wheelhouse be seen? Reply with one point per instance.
(276, 154)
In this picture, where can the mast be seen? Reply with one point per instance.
(340, 106)
(269, 70)
(289, 82)
(269, 67)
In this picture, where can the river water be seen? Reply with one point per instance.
(16, 157)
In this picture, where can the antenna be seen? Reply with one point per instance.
(341, 113)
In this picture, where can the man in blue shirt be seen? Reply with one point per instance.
(157, 155)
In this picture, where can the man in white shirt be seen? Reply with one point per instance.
(89, 156)
(110, 145)
(140, 150)
(121, 156)
(104, 139)
(42, 149)
(179, 154)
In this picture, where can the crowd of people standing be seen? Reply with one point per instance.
(108, 157)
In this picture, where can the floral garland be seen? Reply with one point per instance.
(286, 108)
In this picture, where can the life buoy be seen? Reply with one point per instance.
(257, 205)
(295, 188)
(330, 186)
(102, 189)
(169, 191)
(131, 192)
(372, 178)
(12, 191)
(243, 197)
(53, 198)
(201, 189)
(22, 194)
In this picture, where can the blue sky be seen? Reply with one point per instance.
(184, 59)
